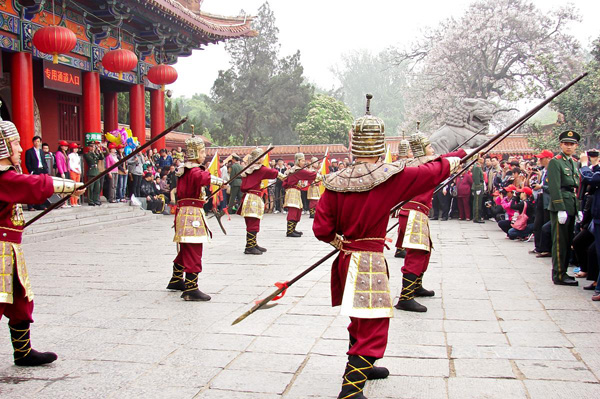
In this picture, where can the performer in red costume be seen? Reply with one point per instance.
(352, 215)
(16, 295)
(294, 179)
(314, 191)
(415, 239)
(253, 207)
(191, 230)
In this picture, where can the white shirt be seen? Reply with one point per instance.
(75, 162)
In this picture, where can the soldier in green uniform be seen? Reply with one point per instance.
(235, 195)
(92, 155)
(563, 181)
(478, 190)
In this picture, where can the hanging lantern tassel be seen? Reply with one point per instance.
(54, 40)
(162, 75)
(119, 61)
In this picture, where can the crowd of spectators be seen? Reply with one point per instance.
(516, 197)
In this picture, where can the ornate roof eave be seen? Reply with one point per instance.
(220, 26)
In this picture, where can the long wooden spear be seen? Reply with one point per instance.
(282, 287)
(107, 170)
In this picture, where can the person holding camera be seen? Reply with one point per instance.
(522, 225)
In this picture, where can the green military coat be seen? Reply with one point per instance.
(91, 159)
(563, 181)
(478, 181)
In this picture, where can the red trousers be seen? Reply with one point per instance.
(416, 260)
(464, 208)
(371, 336)
(312, 204)
(21, 309)
(294, 214)
(252, 224)
(190, 257)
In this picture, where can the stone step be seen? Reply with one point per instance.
(83, 212)
(50, 231)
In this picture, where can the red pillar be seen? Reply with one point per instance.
(22, 99)
(91, 103)
(157, 116)
(137, 112)
(111, 111)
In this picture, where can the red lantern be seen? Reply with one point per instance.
(162, 75)
(119, 61)
(54, 40)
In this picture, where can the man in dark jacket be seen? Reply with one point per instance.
(35, 162)
(148, 190)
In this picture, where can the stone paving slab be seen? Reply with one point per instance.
(497, 327)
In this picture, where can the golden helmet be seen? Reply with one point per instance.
(8, 133)
(418, 143)
(368, 134)
(193, 146)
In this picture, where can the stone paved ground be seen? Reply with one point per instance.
(497, 328)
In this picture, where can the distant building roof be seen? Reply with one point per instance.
(285, 151)
(515, 144)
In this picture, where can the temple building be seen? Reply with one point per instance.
(95, 49)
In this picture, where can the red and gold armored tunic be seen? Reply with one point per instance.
(293, 184)
(356, 205)
(190, 223)
(17, 188)
(252, 203)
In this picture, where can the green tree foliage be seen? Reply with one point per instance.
(360, 73)
(327, 122)
(261, 97)
(580, 106)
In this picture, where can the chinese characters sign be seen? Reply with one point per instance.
(61, 78)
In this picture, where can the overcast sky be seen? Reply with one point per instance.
(323, 30)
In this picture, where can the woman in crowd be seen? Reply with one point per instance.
(463, 196)
(505, 201)
(74, 168)
(136, 168)
(121, 176)
(110, 160)
(62, 163)
(524, 205)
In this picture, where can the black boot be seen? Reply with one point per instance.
(23, 354)
(355, 377)
(291, 229)
(400, 253)
(420, 291)
(407, 297)
(191, 292)
(176, 282)
(251, 247)
(376, 373)
(312, 213)
(261, 249)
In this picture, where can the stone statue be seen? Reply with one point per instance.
(465, 119)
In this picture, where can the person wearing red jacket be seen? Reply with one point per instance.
(295, 179)
(353, 215)
(253, 207)
(191, 231)
(413, 230)
(16, 295)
